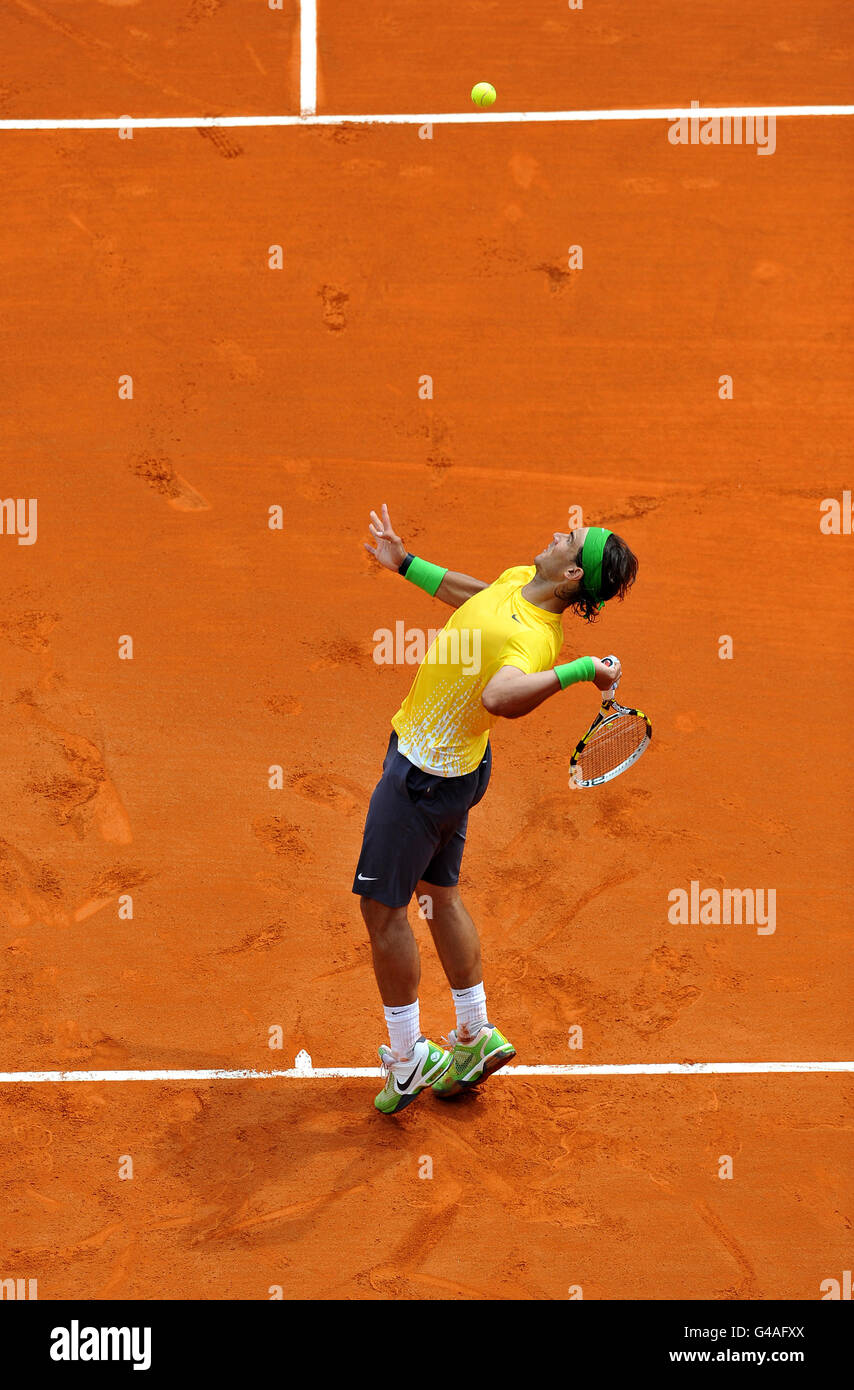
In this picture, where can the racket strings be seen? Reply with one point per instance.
(611, 744)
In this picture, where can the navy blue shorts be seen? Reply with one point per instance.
(415, 828)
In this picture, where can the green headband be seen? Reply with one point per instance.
(591, 560)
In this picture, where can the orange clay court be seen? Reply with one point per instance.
(147, 780)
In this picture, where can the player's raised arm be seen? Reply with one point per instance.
(455, 588)
(512, 693)
(450, 586)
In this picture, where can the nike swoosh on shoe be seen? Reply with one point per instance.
(409, 1080)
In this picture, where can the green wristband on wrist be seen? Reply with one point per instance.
(427, 577)
(573, 671)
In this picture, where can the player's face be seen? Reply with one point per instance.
(561, 554)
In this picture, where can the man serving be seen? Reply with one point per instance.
(437, 767)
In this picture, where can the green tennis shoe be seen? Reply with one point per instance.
(472, 1062)
(406, 1080)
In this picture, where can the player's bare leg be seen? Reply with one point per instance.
(478, 1047)
(413, 1062)
(454, 935)
(397, 964)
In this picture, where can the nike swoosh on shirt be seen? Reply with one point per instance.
(515, 619)
(368, 878)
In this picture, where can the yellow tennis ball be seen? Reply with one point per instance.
(483, 94)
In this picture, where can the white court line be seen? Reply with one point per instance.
(308, 57)
(305, 1071)
(438, 118)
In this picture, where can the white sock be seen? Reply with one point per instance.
(404, 1029)
(470, 1005)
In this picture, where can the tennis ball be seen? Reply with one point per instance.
(483, 94)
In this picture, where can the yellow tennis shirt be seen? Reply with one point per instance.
(442, 725)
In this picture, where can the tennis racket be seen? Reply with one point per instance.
(614, 741)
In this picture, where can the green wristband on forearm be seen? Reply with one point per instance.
(428, 577)
(573, 671)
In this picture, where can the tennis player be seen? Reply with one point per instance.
(437, 767)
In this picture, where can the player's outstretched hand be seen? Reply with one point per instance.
(389, 548)
(606, 675)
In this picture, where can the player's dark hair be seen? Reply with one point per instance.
(619, 572)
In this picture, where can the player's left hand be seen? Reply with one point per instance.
(389, 548)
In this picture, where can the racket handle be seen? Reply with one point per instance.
(609, 661)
